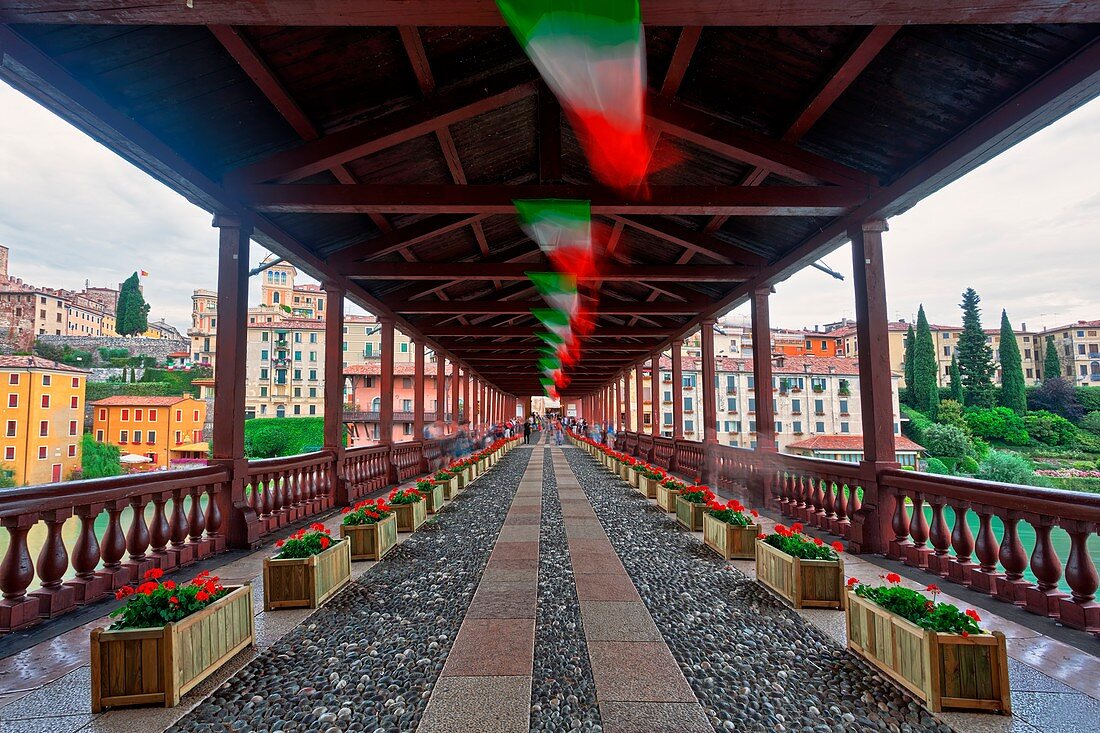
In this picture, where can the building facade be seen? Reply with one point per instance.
(154, 427)
(1078, 346)
(43, 418)
(364, 399)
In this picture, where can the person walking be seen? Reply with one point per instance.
(526, 432)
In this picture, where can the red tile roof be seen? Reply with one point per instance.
(140, 401)
(850, 443)
(819, 365)
(36, 362)
(373, 368)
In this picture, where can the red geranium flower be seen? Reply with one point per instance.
(174, 600)
(797, 527)
(818, 542)
(838, 547)
(169, 584)
(933, 588)
(202, 596)
(147, 588)
(754, 513)
(153, 573)
(325, 542)
(973, 614)
(893, 578)
(280, 543)
(852, 581)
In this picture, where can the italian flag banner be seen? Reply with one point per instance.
(557, 289)
(563, 230)
(591, 53)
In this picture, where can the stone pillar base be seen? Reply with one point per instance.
(1084, 616)
(18, 613)
(88, 590)
(54, 602)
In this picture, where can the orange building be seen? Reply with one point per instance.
(156, 427)
(43, 419)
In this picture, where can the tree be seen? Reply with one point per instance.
(1008, 468)
(947, 440)
(1091, 422)
(951, 413)
(1056, 395)
(1013, 390)
(98, 460)
(132, 312)
(956, 380)
(1052, 365)
(924, 392)
(975, 356)
(910, 343)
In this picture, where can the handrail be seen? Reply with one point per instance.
(258, 465)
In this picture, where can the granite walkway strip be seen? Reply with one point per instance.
(638, 683)
(485, 685)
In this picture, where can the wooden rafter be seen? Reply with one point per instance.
(496, 306)
(610, 272)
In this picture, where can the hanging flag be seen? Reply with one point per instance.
(592, 55)
(562, 228)
(144, 273)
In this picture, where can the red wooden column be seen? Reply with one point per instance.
(418, 390)
(455, 376)
(628, 414)
(440, 393)
(677, 392)
(762, 375)
(240, 526)
(881, 524)
(334, 387)
(710, 404)
(462, 375)
(654, 401)
(639, 412)
(618, 403)
(385, 383)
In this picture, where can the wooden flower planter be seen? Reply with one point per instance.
(450, 487)
(624, 472)
(946, 671)
(729, 540)
(371, 541)
(157, 666)
(633, 477)
(464, 477)
(666, 498)
(410, 516)
(689, 514)
(647, 487)
(436, 497)
(306, 582)
(804, 583)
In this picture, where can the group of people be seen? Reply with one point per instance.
(471, 438)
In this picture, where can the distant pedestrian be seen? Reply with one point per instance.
(526, 433)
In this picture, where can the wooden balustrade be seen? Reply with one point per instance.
(285, 490)
(689, 458)
(171, 519)
(645, 447)
(433, 455)
(366, 469)
(408, 459)
(663, 451)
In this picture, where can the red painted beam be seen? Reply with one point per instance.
(379, 246)
(475, 307)
(610, 272)
(529, 331)
(693, 241)
(485, 13)
(498, 199)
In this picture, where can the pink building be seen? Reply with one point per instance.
(363, 394)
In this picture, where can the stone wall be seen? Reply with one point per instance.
(106, 374)
(159, 349)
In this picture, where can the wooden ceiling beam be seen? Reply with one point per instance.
(529, 331)
(693, 241)
(485, 13)
(403, 238)
(491, 307)
(498, 199)
(433, 113)
(609, 271)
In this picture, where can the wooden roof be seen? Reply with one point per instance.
(386, 157)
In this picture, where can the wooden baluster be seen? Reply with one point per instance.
(182, 553)
(840, 504)
(196, 523)
(1080, 610)
(87, 586)
(940, 538)
(160, 532)
(984, 578)
(1013, 559)
(54, 598)
(1047, 569)
(853, 501)
(16, 573)
(916, 554)
(900, 525)
(214, 517)
(828, 518)
(817, 515)
(962, 541)
(137, 538)
(113, 548)
(267, 495)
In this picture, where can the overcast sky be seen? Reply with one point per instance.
(1023, 230)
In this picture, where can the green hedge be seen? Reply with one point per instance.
(270, 437)
(180, 381)
(1090, 485)
(101, 390)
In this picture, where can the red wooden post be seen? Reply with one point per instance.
(762, 378)
(618, 418)
(455, 396)
(385, 411)
(462, 375)
(418, 390)
(710, 404)
(240, 523)
(874, 529)
(654, 387)
(677, 393)
(334, 388)
(639, 408)
(440, 393)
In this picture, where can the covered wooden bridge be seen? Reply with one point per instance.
(379, 146)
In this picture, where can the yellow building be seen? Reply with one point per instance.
(43, 418)
(155, 427)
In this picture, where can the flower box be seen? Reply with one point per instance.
(804, 583)
(666, 498)
(731, 541)
(633, 477)
(647, 487)
(450, 487)
(157, 666)
(371, 541)
(410, 516)
(306, 582)
(690, 514)
(436, 498)
(625, 471)
(946, 671)
(464, 477)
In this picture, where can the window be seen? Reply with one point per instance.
(731, 383)
(796, 406)
(778, 427)
(1081, 349)
(42, 453)
(179, 415)
(313, 409)
(263, 391)
(137, 415)
(1080, 334)
(844, 407)
(13, 378)
(46, 380)
(297, 373)
(152, 437)
(406, 405)
(689, 426)
(667, 418)
(313, 392)
(313, 375)
(297, 409)
(407, 382)
(297, 356)
(819, 427)
(179, 437)
(74, 402)
(45, 400)
(688, 380)
(263, 354)
(752, 382)
(844, 427)
(313, 356)
(125, 415)
(752, 426)
(72, 427)
(1029, 373)
(123, 436)
(405, 347)
(11, 428)
(195, 416)
(297, 391)
(9, 453)
(752, 404)
(796, 427)
(137, 436)
(13, 400)
(297, 337)
(313, 338)
(731, 404)
(263, 336)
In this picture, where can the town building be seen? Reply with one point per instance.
(1078, 346)
(364, 399)
(849, 448)
(159, 428)
(43, 418)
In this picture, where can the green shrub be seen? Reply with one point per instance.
(947, 440)
(1051, 429)
(968, 465)
(936, 466)
(98, 460)
(1087, 485)
(100, 390)
(998, 423)
(1008, 468)
(269, 437)
(1091, 422)
(1088, 398)
(915, 427)
(951, 413)
(178, 381)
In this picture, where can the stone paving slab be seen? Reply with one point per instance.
(522, 575)
(497, 704)
(653, 717)
(618, 621)
(637, 672)
(518, 533)
(595, 563)
(514, 550)
(503, 600)
(606, 587)
(522, 519)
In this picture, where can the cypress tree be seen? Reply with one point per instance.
(1013, 394)
(131, 313)
(956, 380)
(910, 342)
(1052, 365)
(975, 356)
(925, 392)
